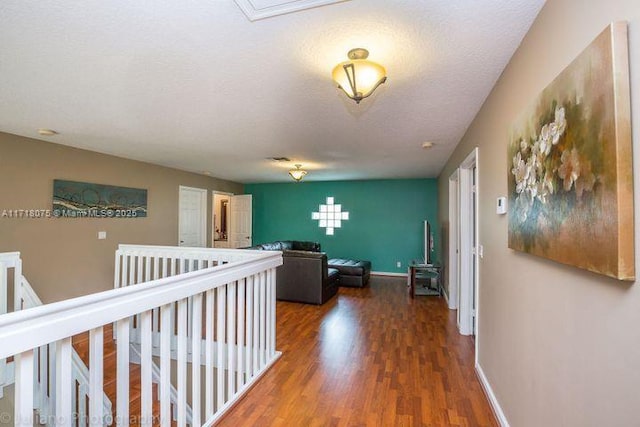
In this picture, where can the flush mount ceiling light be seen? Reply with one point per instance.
(297, 174)
(47, 132)
(359, 77)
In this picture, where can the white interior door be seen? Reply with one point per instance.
(240, 221)
(192, 217)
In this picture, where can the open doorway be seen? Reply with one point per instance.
(232, 220)
(220, 219)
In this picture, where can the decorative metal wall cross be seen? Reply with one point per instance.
(330, 216)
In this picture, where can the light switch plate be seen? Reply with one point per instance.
(102, 235)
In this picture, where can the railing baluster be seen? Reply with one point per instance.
(138, 279)
(17, 285)
(156, 267)
(43, 355)
(122, 370)
(81, 397)
(240, 333)
(220, 342)
(125, 271)
(263, 316)
(165, 266)
(147, 268)
(36, 380)
(267, 318)
(52, 379)
(146, 398)
(256, 323)
(165, 365)
(116, 274)
(231, 337)
(96, 406)
(139, 269)
(272, 304)
(74, 401)
(4, 291)
(196, 344)
(184, 268)
(182, 363)
(23, 411)
(155, 275)
(132, 270)
(209, 368)
(249, 346)
(63, 382)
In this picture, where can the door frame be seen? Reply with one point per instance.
(454, 240)
(469, 238)
(204, 193)
(213, 213)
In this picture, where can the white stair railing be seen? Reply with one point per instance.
(44, 356)
(138, 264)
(45, 362)
(8, 261)
(223, 299)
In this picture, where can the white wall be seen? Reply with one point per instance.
(560, 346)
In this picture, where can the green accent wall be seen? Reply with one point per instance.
(385, 218)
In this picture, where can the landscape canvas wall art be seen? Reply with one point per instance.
(570, 175)
(86, 200)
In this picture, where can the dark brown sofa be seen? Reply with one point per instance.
(304, 275)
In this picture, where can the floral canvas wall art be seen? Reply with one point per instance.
(570, 164)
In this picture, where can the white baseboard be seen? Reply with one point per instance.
(493, 401)
(385, 273)
(446, 296)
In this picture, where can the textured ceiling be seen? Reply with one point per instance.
(197, 86)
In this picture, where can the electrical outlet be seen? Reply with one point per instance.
(398, 264)
(102, 235)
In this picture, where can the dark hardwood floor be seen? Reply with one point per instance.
(368, 357)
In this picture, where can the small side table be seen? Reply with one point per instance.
(419, 271)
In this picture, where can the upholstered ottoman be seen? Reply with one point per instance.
(352, 273)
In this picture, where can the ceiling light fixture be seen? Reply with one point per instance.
(47, 132)
(359, 77)
(297, 174)
(427, 145)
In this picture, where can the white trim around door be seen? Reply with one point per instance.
(468, 306)
(454, 240)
